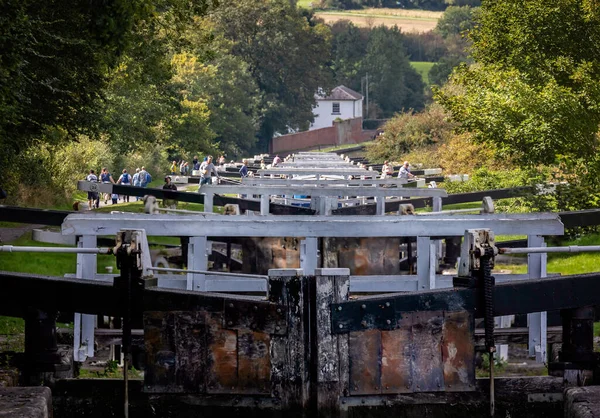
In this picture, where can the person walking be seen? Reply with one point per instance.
(174, 168)
(92, 196)
(206, 170)
(167, 202)
(106, 177)
(136, 181)
(145, 177)
(125, 180)
(244, 169)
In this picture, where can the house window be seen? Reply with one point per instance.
(335, 110)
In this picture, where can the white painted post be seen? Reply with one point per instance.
(264, 204)
(309, 255)
(426, 261)
(208, 201)
(197, 260)
(380, 202)
(84, 325)
(537, 322)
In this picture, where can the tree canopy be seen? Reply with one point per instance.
(534, 91)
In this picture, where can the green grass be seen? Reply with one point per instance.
(51, 264)
(566, 263)
(423, 68)
(342, 147)
(307, 4)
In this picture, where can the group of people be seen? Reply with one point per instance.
(387, 171)
(141, 178)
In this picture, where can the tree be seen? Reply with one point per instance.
(393, 83)
(287, 56)
(348, 47)
(535, 90)
(455, 20)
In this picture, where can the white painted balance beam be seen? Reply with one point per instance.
(311, 226)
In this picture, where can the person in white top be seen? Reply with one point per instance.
(387, 170)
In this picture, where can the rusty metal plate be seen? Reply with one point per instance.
(260, 316)
(458, 352)
(363, 315)
(426, 351)
(396, 373)
(364, 349)
(254, 362)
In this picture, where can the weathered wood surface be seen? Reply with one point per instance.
(290, 356)
(429, 351)
(363, 256)
(331, 350)
(213, 351)
(25, 402)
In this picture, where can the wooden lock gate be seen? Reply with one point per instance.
(307, 348)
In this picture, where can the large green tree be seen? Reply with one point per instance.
(393, 83)
(534, 92)
(287, 55)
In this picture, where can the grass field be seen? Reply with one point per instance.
(563, 263)
(423, 68)
(407, 20)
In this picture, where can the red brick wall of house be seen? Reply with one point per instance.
(348, 131)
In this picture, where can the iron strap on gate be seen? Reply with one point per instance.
(537, 295)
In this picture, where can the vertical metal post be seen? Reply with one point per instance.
(309, 255)
(84, 325)
(197, 260)
(536, 268)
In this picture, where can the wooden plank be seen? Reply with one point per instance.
(426, 351)
(190, 349)
(222, 367)
(365, 362)
(396, 375)
(342, 291)
(458, 352)
(254, 362)
(159, 337)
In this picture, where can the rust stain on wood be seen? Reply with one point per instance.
(458, 352)
(159, 375)
(396, 373)
(365, 362)
(221, 376)
(426, 353)
(254, 362)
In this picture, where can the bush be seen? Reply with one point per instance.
(407, 132)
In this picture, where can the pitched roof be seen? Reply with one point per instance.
(342, 93)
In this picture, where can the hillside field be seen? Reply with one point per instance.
(407, 20)
(423, 69)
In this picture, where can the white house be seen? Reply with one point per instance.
(342, 102)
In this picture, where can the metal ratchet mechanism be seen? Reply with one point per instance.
(132, 254)
(475, 270)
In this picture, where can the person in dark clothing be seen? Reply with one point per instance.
(169, 203)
